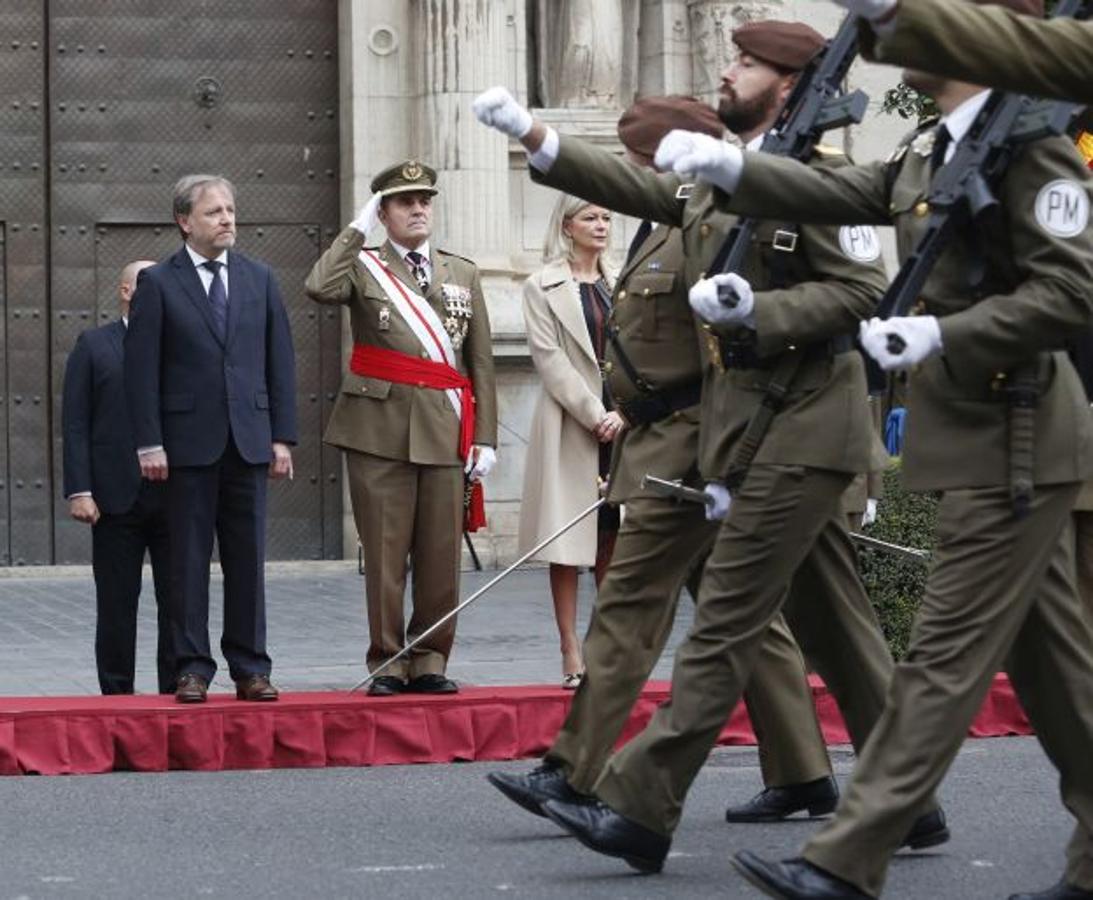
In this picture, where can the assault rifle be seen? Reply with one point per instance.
(816, 104)
(962, 193)
(962, 190)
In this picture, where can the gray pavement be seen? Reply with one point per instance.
(317, 630)
(442, 831)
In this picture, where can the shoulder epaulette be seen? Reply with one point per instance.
(456, 256)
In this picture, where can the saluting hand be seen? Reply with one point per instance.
(497, 108)
(281, 467)
(691, 153)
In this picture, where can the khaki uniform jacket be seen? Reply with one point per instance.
(990, 45)
(402, 421)
(661, 338)
(1037, 291)
(561, 472)
(823, 423)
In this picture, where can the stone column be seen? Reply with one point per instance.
(711, 23)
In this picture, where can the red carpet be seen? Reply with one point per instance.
(147, 733)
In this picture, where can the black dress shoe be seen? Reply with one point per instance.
(1059, 891)
(386, 686)
(532, 790)
(929, 830)
(432, 683)
(775, 803)
(794, 879)
(600, 828)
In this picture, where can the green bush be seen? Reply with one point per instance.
(895, 583)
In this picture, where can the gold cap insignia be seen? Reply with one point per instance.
(412, 170)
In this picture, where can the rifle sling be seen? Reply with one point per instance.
(781, 379)
(1022, 398)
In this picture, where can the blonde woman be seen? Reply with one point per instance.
(566, 308)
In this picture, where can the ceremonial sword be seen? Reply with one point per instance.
(686, 494)
(451, 615)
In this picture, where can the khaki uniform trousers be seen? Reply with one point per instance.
(660, 543)
(785, 522)
(407, 510)
(1001, 594)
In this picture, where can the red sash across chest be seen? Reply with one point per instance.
(402, 368)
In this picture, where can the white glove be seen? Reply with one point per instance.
(368, 217)
(870, 9)
(480, 468)
(701, 155)
(498, 109)
(900, 342)
(705, 300)
(870, 515)
(718, 502)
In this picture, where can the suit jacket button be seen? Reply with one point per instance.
(622, 294)
(364, 390)
(922, 209)
(704, 229)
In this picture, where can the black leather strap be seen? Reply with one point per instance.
(652, 406)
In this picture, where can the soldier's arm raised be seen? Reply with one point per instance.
(329, 279)
(772, 187)
(989, 45)
(591, 173)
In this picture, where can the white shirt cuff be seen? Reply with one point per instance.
(78, 494)
(543, 158)
(141, 451)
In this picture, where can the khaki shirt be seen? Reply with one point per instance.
(404, 421)
(1037, 290)
(824, 422)
(660, 337)
(990, 45)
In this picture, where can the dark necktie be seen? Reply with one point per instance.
(218, 297)
(644, 230)
(417, 269)
(942, 139)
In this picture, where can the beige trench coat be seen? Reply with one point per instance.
(562, 467)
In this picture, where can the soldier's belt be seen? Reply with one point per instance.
(652, 406)
(734, 354)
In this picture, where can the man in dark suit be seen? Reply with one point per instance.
(104, 489)
(210, 382)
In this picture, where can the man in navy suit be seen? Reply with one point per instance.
(210, 381)
(104, 489)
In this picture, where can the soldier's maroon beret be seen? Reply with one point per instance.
(787, 45)
(643, 125)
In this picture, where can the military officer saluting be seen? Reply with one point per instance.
(804, 290)
(999, 424)
(654, 369)
(417, 410)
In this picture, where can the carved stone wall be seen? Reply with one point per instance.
(410, 69)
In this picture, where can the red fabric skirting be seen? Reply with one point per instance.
(148, 733)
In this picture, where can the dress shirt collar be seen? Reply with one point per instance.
(960, 119)
(402, 251)
(199, 260)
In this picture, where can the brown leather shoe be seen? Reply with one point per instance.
(255, 687)
(191, 688)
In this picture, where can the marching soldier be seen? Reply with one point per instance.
(654, 369)
(811, 285)
(417, 409)
(1000, 426)
(984, 44)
